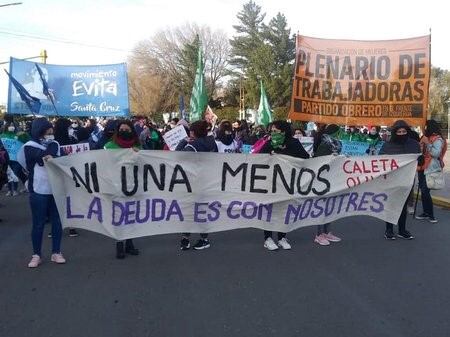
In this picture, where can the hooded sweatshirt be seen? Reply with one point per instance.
(34, 151)
(394, 146)
(204, 144)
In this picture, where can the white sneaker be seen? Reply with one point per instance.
(284, 243)
(410, 210)
(15, 194)
(9, 193)
(58, 258)
(270, 244)
(35, 261)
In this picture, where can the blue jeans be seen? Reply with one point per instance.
(427, 201)
(43, 207)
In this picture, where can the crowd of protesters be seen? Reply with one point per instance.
(42, 139)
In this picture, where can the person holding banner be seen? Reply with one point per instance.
(125, 137)
(41, 148)
(199, 142)
(224, 141)
(282, 142)
(400, 143)
(434, 148)
(328, 145)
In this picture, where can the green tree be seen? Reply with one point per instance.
(249, 35)
(439, 94)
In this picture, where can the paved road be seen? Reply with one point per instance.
(363, 286)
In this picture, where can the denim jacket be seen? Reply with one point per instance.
(434, 150)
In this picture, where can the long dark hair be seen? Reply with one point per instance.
(133, 130)
(432, 128)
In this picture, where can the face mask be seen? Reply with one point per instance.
(297, 136)
(49, 137)
(373, 132)
(401, 139)
(74, 125)
(126, 135)
(11, 128)
(277, 139)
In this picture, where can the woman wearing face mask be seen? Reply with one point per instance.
(225, 141)
(282, 142)
(373, 139)
(125, 137)
(15, 171)
(400, 143)
(328, 144)
(433, 148)
(41, 148)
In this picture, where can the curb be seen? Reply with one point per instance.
(439, 201)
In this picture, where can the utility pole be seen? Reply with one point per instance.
(241, 100)
(43, 56)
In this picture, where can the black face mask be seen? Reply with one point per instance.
(126, 135)
(402, 139)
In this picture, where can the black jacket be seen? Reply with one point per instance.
(292, 148)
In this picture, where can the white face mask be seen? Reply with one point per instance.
(74, 125)
(373, 132)
(49, 137)
(297, 136)
(11, 128)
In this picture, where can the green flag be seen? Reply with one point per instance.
(264, 112)
(199, 97)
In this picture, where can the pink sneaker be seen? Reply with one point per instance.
(58, 258)
(35, 261)
(321, 240)
(330, 237)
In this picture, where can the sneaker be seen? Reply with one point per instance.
(432, 219)
(73, 233)
(9, 193)
(389, 235)
(284, 243)
(405, 235)
(15, 194)
(35, 261)
(58, 258)
(330, 237)
(423, 216)
(270, 244)
(49, 235)
(202, 244)
(321, 240)
(410, 210)
(185, 244)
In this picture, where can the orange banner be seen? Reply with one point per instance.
(350, 82)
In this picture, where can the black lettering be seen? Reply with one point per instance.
(254, 177)
(184, 180)
(124, 181)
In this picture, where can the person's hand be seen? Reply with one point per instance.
(47, 158)
(135, 149)
(425, 140)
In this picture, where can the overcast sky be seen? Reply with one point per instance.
(120, 24)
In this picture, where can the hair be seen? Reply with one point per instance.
(284, 127)
(301, 131)
(199, 128)
(224, 126)
(130, 124)
(433, 128)
(62, 131)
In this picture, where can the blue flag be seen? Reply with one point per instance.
(44, 82)
(45, 90)
(33, 103)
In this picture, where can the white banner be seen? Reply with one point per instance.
(126, 194)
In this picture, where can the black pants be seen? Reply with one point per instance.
(322, 229)
(202, 235)
(268, 234)
(401, 221)
(427, 201)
